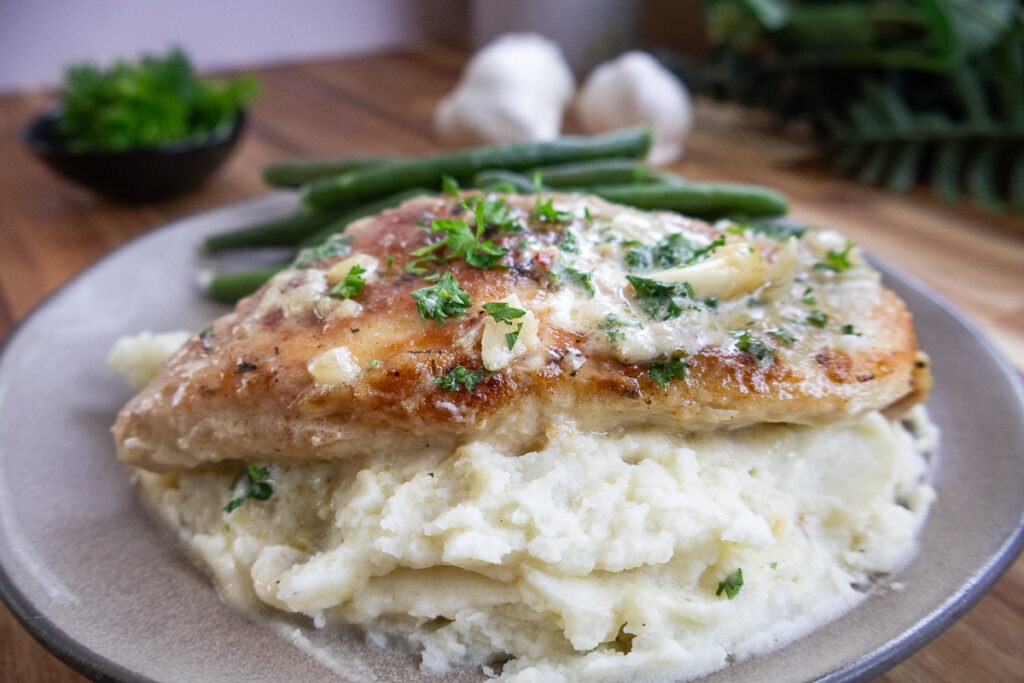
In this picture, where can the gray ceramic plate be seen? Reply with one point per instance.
(99, 584)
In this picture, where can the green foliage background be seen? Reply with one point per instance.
(901, 91)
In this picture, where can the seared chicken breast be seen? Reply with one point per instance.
(495, 317)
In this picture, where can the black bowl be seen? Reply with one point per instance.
(134, 175)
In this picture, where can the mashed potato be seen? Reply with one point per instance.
(593, 557)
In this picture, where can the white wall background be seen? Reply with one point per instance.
(38, 38)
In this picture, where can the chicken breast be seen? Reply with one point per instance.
(450, 318)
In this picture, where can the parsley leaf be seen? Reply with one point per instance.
(546, 211)
(782, 335)
(748, 343)
(502, 312)
(669, 252)
(352, 285)
(808, 298)
(449, 186)
(817, 318)
(459, 376)
(374, 364)
(570, 243)
(776, 230)
(493, 213)
(663, 373)
(560, 271)
(460, 241)
(837, 261)
(848, 329)
(444, 299)
(732, 584)
(661, 300)
(257, 488)
(613, 324)
(335, 245)
(513, 336)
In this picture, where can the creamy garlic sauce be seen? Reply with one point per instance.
(747, 290)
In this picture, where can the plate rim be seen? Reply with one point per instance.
(95, 666)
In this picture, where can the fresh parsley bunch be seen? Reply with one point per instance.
(156, 101)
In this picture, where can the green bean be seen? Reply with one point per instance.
(282, 232)
(599, 172)
(704, 200)
(368, 209)
(295, 172)
(230, 287)
(500, 180)
(324, 193)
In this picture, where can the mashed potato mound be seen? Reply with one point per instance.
(594, 557)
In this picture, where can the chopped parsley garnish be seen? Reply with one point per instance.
(711, 302)
(669, 252)
(836, 261)
(754, 303)
(503, 312)
(570, 243)
(450, 185)
(460, 242)
(374, 364)
(848, 329)
(352, 285)
(206, 331)
(546, 212)
(492, 213)
(808, 298)
(389, 260)
(782, 335)
(560, 271)
(445, 299)
(613, 324)
(776, 230)
(459, 377)
(513, 336)
(335, 245)
(748, 343)
(773, 565)
(817, 318)
(661, 300)
(732, 584)
(663, 373)
(257, 487)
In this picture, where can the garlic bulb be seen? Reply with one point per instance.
(516, 88)
(635, 89)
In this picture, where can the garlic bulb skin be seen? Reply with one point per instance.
(514, 89)
(634, 89)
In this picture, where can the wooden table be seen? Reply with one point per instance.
(49, 231)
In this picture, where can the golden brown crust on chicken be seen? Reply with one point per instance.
(247, 391)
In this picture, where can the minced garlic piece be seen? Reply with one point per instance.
(494, 345)
(340, 269)
(731, 270)
(335, 366)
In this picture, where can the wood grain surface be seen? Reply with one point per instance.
(50, 230)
